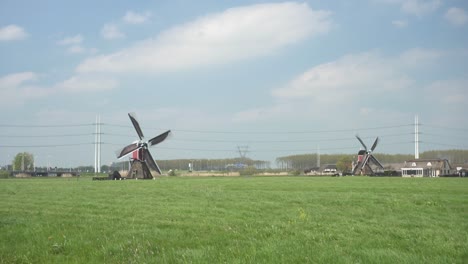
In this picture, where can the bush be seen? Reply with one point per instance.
(249, 171)
(4, 174)
(296, 172)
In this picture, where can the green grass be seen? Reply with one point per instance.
(234, 220)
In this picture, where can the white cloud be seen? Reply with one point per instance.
(400, 23)
(75, 40)
(345, 79)
(420, 7)
(415, 7)
(111, 31)
(359, 84)
(17, 88)
(235, 34)
(456, 16)
(82, 83)
(449, 92)
(12, 32)
(16, 79)
(74, 44)
(136, 18)
(76, 49)
(419, 57)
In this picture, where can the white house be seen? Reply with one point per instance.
(426, 168)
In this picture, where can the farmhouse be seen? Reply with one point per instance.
(462, 172)
(330, 169)
(426, 168)
(312, 171)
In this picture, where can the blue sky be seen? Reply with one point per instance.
(283, 78)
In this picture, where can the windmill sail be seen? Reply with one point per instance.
(366, 159)
(142, 161)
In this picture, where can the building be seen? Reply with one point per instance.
(330, 169)
(463, 173)
(426, 168)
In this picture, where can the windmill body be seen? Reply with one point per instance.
(139, 169)
(366, 163)
(142, 163)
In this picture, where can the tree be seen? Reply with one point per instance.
(23, 161)
(105, 168)
(344, 164)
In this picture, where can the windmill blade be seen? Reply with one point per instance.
(361, 164)
(365, 160)
(358, 167)
(150, 161)
(369, 168)
(375, 144)
(376, 162)
(362, 142)
(159, 139)
(127, 150)
(136, 125)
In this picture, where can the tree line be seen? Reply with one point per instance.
(202, 164)
(343, 161)
(25, 161)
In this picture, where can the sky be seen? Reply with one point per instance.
(272, 78)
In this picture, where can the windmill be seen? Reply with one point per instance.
(365, 159)
(142, 162)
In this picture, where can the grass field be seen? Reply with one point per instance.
(235, 220)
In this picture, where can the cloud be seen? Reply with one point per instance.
(400, 23)
(16, 79)
(345, 79)
(456, 16)
(82, 83)
(111, 31)
(74, 44)
(419, 57)
(235, 34)
(415, 7)
(450, 92)
(76, 49)
(420, 7)
(77, 39)
(365, 84)
(17, 88)
(136, 18)
(12, 32)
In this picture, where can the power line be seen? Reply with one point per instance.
(445, 127)
(44, 136)
(270, 150)
(444, 136)
(203, 140)
(283, 141)
(40, 126)
(447, 145)
(44, 146)
(291, 132)
(269, 132)
(221, 140)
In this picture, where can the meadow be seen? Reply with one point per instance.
(234, 220)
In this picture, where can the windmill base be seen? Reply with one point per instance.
(137, 171)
